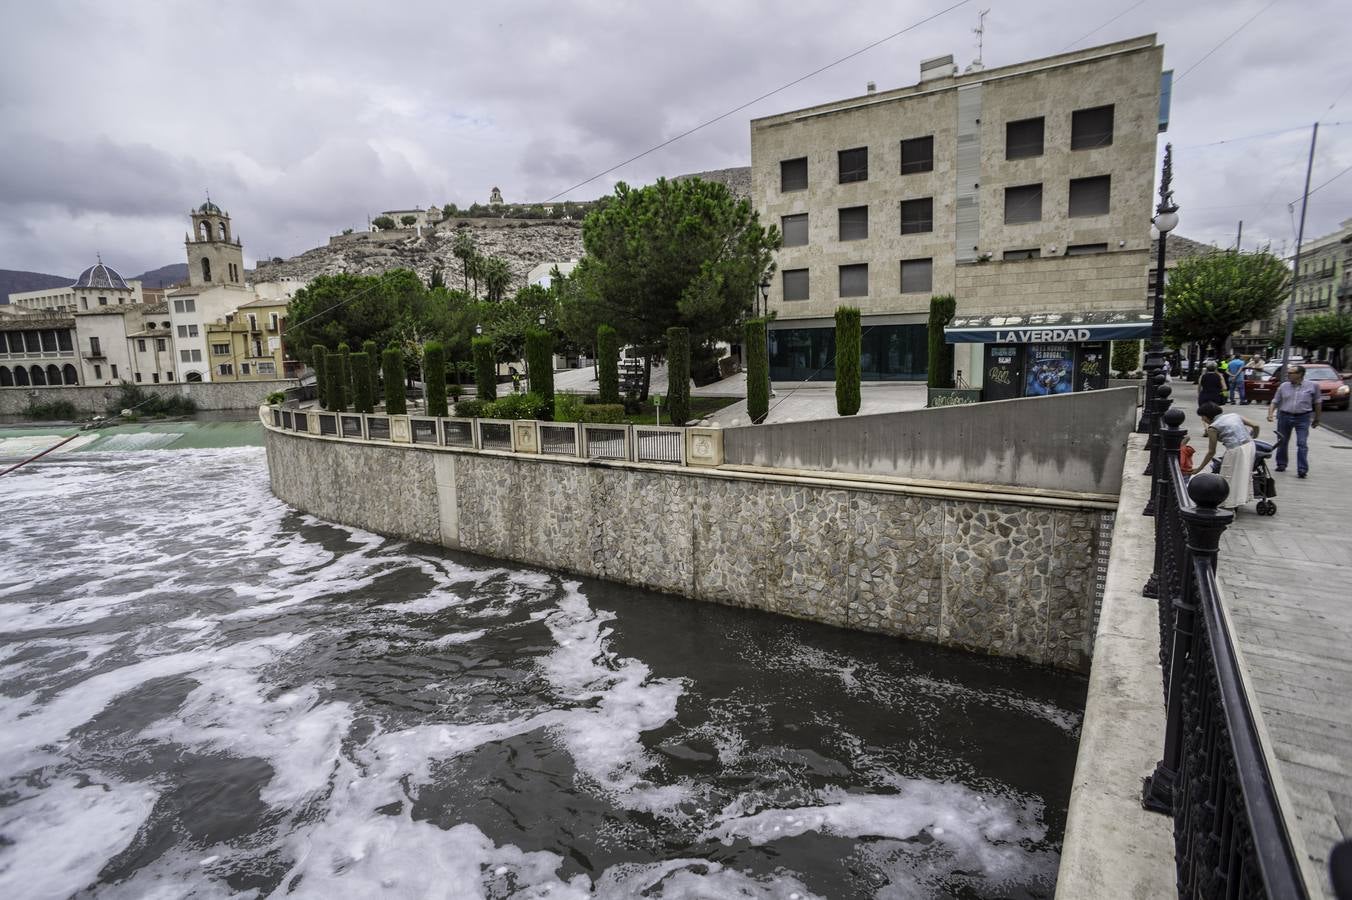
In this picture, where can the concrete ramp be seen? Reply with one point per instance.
(1071, 442)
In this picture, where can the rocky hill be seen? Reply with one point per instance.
(18, 282)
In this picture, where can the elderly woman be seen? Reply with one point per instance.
(1211, 387)
(1235, 433)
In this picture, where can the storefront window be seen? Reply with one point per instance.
(888, 353)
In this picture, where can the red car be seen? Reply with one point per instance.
(1260, 385)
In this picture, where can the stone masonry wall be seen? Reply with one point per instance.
(1008, 578)
(96, 398)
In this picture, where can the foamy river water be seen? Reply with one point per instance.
(206, 694)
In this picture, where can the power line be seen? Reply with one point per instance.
(782, 87)
(1330, 181)
(1340, 96)
(1224, 41)
(1101, 27)
(1249, 137)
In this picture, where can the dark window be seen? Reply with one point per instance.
(1089, 196)
(917, 155)
(1023, 204)
(887, 353)
(159, 345)
(49, 342)
(1085, 249)
(94, 347)
(795, 284)
(917, 216)
(1032, 253)
(854, 280)
(138, 377)
(793, 174)
(917, 276)
(854, 165)
(854, 223)
(113, 369)
(63, 340)
(206, 269)
(155, 378)
(795, 230)
(1023, 138)
(98, 372)
(141, 348)
(1090, 128)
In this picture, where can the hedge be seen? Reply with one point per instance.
(336, 376)
(540, 362)
(363, 390)
(485, 368)
(757, 372)
(319, 361)
(345, 365)
(608, 364)
(940, 362)
(392, 365)
(849, 347)
(434, 376)
(678, 374)
(1126, 357)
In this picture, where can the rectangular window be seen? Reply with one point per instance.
(1023, 138)
(266, 368)
(94, 347)
(155, 378)
(159, 345)
(1032, 253)
(138, 377)
(1085, 249)
(1090, 128)
(225, 369)
(84, 303)
(917, 155)
(113, 369)
(98, 371)
(220, 349)
(917, 216)
(1023, 204)
(272, 321)
(185, 355)
(63, 340)
(793, 175)
(253, 322)
(854, 223)
(1089, 196)
(795, 230)
(917, 276)
(244, 369)
(103, 301)
(168, 376)
(853, 165)
(141, 346)
(854, 280)
(795, 285)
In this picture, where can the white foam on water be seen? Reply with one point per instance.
(463, 637)
(429, 603)
(134, 441)
(24, 446)
(60, 837)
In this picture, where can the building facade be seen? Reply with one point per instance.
(37, 350)
(1324, 282)
(1024, 191)
(97, 286)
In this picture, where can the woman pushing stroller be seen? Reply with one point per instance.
(1236, 434)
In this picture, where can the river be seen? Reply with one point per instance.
(205, 693)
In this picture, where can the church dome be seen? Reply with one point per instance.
(209, 208)
(102, 277)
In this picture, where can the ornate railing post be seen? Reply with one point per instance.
(1205, 523)
(1154, 408)
(1161, 489)
(1163, 400)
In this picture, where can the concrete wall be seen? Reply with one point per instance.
(1072, 442)
(95, 399)
(1007, 575)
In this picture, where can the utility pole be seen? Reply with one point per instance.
(1239, 236)
(1295, 267)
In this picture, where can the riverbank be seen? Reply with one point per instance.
(204, 432)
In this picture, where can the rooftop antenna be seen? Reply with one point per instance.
(980, 32)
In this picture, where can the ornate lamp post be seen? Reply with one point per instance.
(765, 305)
(1165, 221)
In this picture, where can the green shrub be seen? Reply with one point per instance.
(319, 361)
(131, 397)
(678, 375)
(1126, 357)
(434, 376)
(485, 368)
(540, 362)
(849, 346)
(392, 365)
(940, 363)
(608, 364)
(455, 390)
(276, 398)
(603, 414)
(568, 408)
(518, 406)
(55, 409)
(757, 371)
(472, 408)
(363, 387)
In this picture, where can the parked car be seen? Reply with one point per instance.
(1261, 384)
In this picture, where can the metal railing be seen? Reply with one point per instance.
(378, 428)
(653, 443)
(558, 438)
(605, 441)
(495, 435)
(457, 432)
(328, 423)
(1230, 838)
(423, 431)
(351, 426)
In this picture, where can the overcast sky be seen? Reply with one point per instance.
(303, 118)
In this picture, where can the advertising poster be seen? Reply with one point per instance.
(1091, 367)
(1051, 370)
(1003, 378)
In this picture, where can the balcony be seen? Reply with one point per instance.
(93, 353)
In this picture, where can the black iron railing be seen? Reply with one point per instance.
(1215, 780)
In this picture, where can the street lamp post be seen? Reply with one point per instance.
(765, 305)
(1165, 221)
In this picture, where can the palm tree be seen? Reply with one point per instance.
(496, 276)
(464, 250)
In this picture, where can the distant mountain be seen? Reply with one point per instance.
(164, 276)
(12, 281)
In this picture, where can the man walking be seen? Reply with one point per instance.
(1235, 368)
(1296, 405)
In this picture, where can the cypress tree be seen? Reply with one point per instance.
(392, 364)
(608, 364)
(678, 374)
(940, 363)
(849, 346)
(540, 360)
(373, 363)
(363, 394)
(319, 361)
(757, 371)
(485, 369)
(338, 381)
(345, 354)
(434, 375)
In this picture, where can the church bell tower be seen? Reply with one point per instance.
(215, 256)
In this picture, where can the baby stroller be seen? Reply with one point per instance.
(1264, 486)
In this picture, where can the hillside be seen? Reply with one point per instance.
(164, 276)
(17, 282)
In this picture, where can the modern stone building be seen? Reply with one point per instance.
(1324, 282)
(1025, 191)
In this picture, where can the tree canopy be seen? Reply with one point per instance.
(1331, 330)
(1208, 298)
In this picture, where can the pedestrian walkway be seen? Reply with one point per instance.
(1287, 583)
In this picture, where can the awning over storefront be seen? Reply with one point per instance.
(1049, 328)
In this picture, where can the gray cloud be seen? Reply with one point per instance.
(304, 119)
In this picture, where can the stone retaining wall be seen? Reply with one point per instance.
(1006, 575)
(96, 398)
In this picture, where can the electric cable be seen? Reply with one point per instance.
(1101, 27)
(1224, 41)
